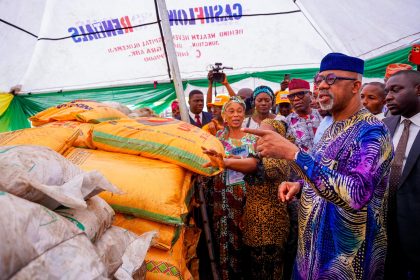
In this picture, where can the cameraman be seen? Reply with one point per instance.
(216, 106)
(244, 93)
(210, 88)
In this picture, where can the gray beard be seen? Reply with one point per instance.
(328, 106)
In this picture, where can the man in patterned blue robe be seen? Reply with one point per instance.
(342, 220)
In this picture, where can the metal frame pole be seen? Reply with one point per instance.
(172, 59)
(174, 70)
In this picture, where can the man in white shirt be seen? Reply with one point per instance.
(403, 101)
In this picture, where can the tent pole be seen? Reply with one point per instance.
(174, 68)
(173, 61)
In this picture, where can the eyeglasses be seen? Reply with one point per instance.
(330, 79)
(299, 95)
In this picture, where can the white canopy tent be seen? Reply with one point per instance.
(43, 47)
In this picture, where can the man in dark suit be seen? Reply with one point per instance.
(403, 101)
(197, 116)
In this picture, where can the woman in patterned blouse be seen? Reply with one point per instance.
(266, 220)
(229, 191)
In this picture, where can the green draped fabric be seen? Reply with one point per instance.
(24, 106)
(14, 117)
(159, 98)
(374, 68)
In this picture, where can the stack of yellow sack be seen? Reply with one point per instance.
(63, 126)
(155, 196)
(153, 190)
(99, 126)
(157, 192)
(58, 139)
(168, 140)
(151, 160)
(85, 111)
(81, 115)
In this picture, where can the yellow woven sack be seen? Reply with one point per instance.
(153, 190)
(167, 265)
(84, 140)
(165, 139)
(167, 234)
(77, 110)
(58, 139)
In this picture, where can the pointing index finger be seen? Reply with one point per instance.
(258, 132)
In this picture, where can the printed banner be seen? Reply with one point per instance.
(104, 44)
(72, 45)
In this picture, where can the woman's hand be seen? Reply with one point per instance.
(288, 190)
(216, 159)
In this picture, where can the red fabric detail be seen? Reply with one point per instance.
(414, 56)
(197, 119)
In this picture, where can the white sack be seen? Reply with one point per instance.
(118, 245)
(41, 175)
(94, 220)
(133, 266)
(28, 230)
(73, 259)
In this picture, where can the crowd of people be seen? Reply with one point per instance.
(317, 184)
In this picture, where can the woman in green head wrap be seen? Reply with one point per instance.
(263, 100)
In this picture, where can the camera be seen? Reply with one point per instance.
(217, 72)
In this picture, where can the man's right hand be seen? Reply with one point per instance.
(271, 144)
(284, 85)
(288, 190)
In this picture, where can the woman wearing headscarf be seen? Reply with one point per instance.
(229, 192)
(175, 110)
(266, 220)
(263, 100)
